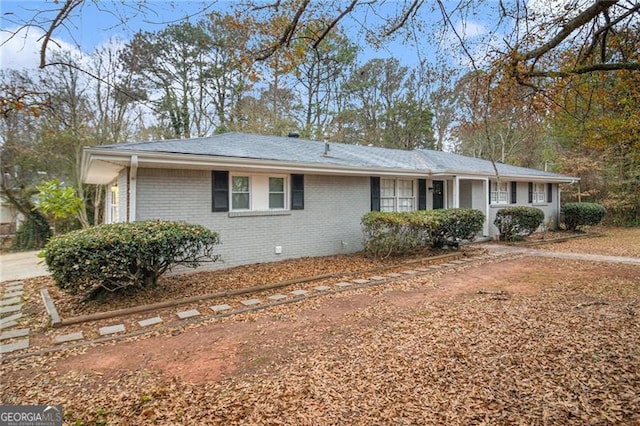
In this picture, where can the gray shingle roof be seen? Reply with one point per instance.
(304, 151)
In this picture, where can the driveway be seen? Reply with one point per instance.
(20, 266)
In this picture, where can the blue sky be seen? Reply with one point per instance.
(96, 22)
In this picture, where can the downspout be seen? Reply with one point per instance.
(487, 207)
(558, 208)
(133, 175)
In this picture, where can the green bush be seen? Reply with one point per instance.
(514, 222)
(457, 225)
(577, 215)
(121, 255)
(387, 234)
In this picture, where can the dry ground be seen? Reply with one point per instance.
(609, 242)
(518, 341)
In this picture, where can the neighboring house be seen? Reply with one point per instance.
(280, 197)
(10, 218)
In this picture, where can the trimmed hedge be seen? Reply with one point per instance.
(120, 255)
(515, 222)
(396, 234)
(577, 215)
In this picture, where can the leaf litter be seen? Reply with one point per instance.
(560, 349)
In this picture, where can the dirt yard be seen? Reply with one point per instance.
(521, 340)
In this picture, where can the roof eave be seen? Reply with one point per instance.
(102, 165)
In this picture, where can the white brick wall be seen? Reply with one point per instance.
(329, 223)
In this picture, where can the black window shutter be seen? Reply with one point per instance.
(220, 191)
(530, 192)
(375, 194)
(297, 192)
(489, 191)
(549, 192)
(514, 192)
(422, 194)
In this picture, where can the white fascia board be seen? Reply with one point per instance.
(103, 164)
(507, 177)
(205, 162)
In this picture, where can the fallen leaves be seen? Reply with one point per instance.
(433, 349)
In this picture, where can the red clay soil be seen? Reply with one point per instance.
(325, 360)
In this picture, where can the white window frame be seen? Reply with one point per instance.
(500, 194)
(114, 204)
(391, 199)
(388, 195)
(259, 192)
(232, 192)
(539, 193)
(283, 192)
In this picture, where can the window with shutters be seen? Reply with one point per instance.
(539, 193)
(258, 192)
(397, 195)
(499, 192)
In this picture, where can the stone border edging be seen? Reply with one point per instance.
(227, 293)
(50, 307)
(551, 241)
(242, 310)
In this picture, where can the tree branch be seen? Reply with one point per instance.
(60, 18)
(583, 18)
(329, 27)
(287, 35)
(619, 66)
(403, 20)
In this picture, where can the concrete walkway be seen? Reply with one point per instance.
(20, 266)
(499, 248)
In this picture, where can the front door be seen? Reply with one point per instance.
(438, 194)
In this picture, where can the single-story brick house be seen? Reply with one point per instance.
(275, 197)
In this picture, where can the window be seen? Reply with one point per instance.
(113, 204)
(387, 195)
(276, 193)
(539, 193)
(499, 192)
(397, 195)
(240, 195)
(258, 192)
(405, 195)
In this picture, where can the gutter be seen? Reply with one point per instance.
(208, 162)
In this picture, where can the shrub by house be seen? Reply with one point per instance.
(394, 234)
(120, 255)
(515, 222)
(577, 215)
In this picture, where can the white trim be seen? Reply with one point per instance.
(535, 194)
(486, 186)
(133, 177)
(259, 191)
(100, 166)
(456, 192)
(396, 193)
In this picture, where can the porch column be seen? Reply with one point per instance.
(456, 193)
(133, 176)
